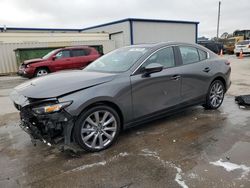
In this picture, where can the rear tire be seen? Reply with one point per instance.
(215, 95)
(97, 128)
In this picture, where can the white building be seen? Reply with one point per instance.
(136, 31)
(110, 36)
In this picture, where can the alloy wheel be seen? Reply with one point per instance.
(216, 94)
(99, 129)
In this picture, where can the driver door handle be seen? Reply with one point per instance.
(207, 69)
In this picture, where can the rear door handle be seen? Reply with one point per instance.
(175, 77)
(207, 69)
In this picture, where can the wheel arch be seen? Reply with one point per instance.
(223, 80)
(208, 105)
(107, 103)
(42, 67)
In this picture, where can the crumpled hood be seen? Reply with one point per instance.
(60, 83)
(26, 62)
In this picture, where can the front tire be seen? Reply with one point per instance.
(41, 72)
(215, 95)
(97, 128)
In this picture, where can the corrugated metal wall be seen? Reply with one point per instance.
(163, 32)
(8, 59)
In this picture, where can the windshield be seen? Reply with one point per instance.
(239, 33)
(119, 60)
(49, 54)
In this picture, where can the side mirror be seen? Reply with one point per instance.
(53, 57)
(152, 68)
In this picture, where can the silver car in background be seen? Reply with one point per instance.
(121, 89)
(242, 46)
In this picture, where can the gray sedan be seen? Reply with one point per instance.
(121, 89)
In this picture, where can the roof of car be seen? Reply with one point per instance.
(156, 46)
(75, 47)
(161, 44)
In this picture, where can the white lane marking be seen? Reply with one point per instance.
(83, 167)
(228, 166)
(147, 153)
(101, 163)
(178, 176)
(179, 179)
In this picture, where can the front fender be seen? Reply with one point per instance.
(119, 94)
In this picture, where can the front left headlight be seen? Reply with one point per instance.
(51, 108)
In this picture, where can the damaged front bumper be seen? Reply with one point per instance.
(53, 129)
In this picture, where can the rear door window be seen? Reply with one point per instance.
(189, 54)
(202, 54)
(78, 52)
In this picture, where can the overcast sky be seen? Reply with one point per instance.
(235, 14)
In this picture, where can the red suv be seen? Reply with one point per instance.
(59, 59)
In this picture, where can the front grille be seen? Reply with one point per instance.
(43, 126)
(26, 114)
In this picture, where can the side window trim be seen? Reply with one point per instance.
(178, 59)
(139, 66)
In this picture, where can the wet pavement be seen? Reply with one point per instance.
(194, 148)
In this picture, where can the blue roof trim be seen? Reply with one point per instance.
(106, 24)
(39, 29)
(140, 20)
(101, 25)
(163, 21)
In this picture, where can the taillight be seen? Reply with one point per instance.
(227, 62)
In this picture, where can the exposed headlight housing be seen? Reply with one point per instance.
(51, 108)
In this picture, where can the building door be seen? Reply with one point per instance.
(118, 38)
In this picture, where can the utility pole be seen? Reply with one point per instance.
(218, 21)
